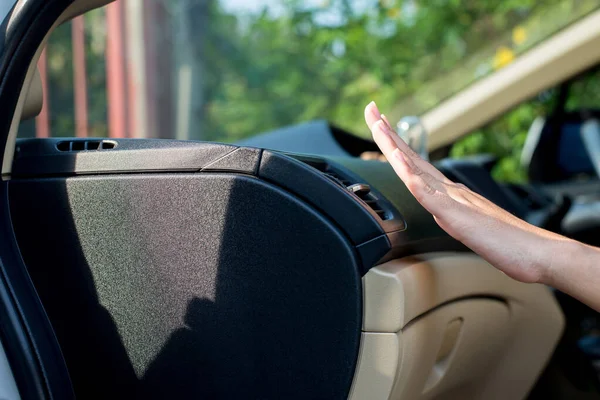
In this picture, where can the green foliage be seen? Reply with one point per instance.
(406, 55)
(60, 78)
(60, 75)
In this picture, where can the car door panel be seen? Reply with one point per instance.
(218, 285)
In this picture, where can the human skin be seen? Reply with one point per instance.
(520, 250)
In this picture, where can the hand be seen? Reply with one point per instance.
(522, 251)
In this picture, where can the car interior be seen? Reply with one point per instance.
(287, 266)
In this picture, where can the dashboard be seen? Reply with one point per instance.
(321, 139)
(272, 273)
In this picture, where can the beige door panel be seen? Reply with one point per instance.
(379, 358)
(462, 329)
(423, 374)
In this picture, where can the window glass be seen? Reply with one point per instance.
(225, 70)
(505, 137)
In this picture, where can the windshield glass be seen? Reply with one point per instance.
(5, 7)
(225, 70)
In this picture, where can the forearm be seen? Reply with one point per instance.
(520, 250)
(574, 268)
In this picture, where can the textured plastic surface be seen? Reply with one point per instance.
(243, 160)
(191, 286)
(335, 201)
(46, 157)
(36, 157)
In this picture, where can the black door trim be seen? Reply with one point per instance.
(31, 347)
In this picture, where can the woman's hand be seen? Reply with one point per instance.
(522, 251)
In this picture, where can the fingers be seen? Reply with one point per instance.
(383, 138)
(372, 116)
(420, 183)
(402, 145)
(388, 141)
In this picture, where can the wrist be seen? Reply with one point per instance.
(560, 255)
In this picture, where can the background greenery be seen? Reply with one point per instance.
(293, 61)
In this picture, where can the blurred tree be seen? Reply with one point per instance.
(60, 77)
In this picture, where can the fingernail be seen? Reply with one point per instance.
(398, 154)
(380, 125)
(376, 109)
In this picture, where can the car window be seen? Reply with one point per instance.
(225, 70)
(505, 137)
(5, 7)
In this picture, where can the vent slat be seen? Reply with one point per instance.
(367, 197)
(85, 145)
(359, 189)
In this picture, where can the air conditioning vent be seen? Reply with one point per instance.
(85, 145)
(387, 215)
(362, 190)
(337, 178)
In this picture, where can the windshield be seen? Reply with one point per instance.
(225, 70)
